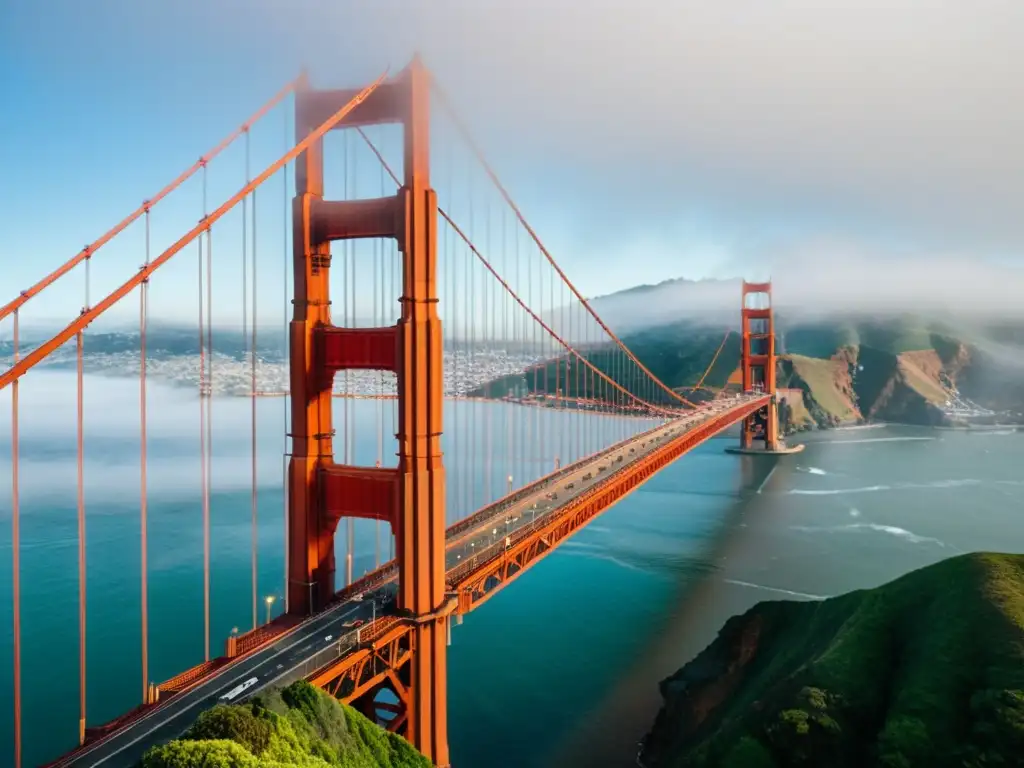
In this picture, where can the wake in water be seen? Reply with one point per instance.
(891, 530)
(594, 552)
(812, 470)
(937, 484)
(877, 440)
(791, 593)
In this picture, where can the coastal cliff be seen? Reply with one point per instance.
(925, 670)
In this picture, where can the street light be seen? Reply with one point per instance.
(510, 485)
(270, 601)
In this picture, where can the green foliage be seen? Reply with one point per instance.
(236, 724)
(748, 753)
(295, 727)
(219, 753)
(925, 670)
(678, 354)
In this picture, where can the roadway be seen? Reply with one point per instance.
(326, 636)
(125, 748)
(508, 518)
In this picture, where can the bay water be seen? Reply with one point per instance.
(561, 668)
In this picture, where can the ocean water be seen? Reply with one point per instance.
(561, 668)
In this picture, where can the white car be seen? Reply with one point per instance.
(238, 690)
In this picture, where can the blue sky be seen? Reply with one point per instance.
(649, 142)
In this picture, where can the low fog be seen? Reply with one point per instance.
(830, 281)
(47, 423)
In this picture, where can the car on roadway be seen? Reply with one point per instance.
(238, 690)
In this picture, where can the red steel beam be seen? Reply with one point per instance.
(374, 349)
(370, 493)
(355, 219)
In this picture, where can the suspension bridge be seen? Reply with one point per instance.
(410, 298)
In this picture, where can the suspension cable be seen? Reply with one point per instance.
(714, 359)
(469, 243)
(90, 249)
(461, 127)
(40, 352)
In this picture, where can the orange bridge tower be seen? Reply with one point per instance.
(758, 368)
(410, 497)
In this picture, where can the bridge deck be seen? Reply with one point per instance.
(474, 545)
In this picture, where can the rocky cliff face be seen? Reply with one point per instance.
(895, 676)
(863, 384)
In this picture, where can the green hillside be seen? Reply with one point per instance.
(899, 369)
(927, 670)
(296, 726)
(678, 354)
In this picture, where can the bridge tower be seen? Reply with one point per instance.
(410, 497)
(757, 363)
(757, 368)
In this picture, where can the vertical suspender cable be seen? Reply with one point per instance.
(202, 461)
(348, 319)
(287, 394)
(209, 384)
(378, 321)
(81, 552)
(252, 379)
(16, 555)
(204, 479)
(209, 359)
(252, 375)
(486, 342)
(350, 430)
(143, 495)
(81, 539)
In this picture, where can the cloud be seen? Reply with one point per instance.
(832, 279)
(832, 117)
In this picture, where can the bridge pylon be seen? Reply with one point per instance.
(410, 497)
(758, 366)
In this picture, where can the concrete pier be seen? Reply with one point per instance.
(782, 450)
